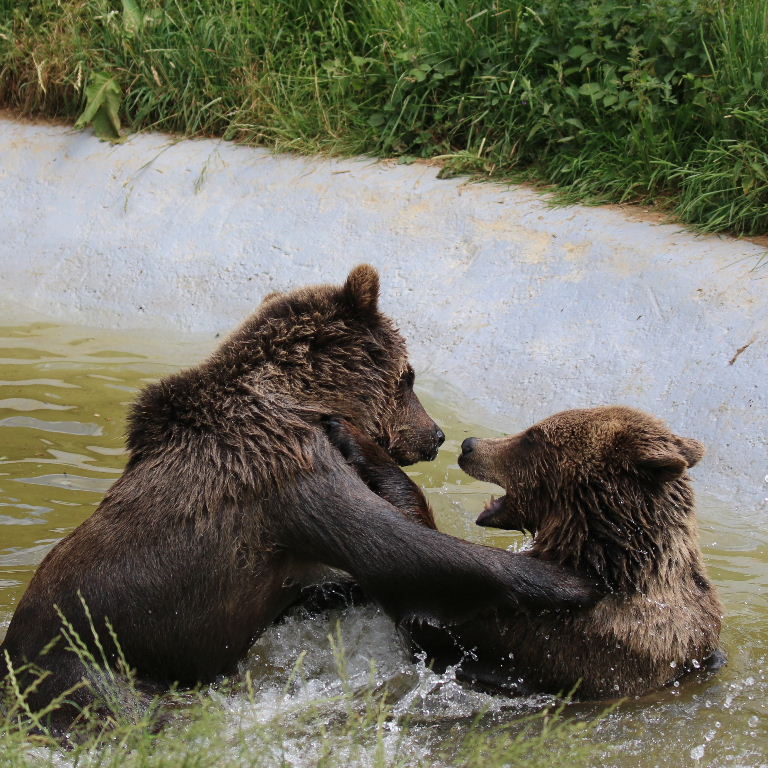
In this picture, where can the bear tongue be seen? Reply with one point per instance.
(492, 508)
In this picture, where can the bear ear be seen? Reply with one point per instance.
(668, 460)
(362, 288)
(663, 461)
(273, 295)
(691, 450)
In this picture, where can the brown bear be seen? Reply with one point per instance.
(605, 492)
(233, 500)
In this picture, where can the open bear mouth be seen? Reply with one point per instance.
(492, 511)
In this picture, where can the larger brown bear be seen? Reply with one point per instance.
(233, 499)
(606, 493)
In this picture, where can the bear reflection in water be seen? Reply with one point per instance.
(606, 493)
(233, 501)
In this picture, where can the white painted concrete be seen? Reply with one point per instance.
(522, 308)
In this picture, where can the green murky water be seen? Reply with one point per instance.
(63, 397)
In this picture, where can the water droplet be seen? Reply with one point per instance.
(673, 664)
(753, 721)
(697, 752)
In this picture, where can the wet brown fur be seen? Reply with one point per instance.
(606, 492)
(233, 501)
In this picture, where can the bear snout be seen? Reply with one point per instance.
(468, 445)
(439, 439)
(412, 446)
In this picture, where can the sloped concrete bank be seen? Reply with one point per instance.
(522, 309)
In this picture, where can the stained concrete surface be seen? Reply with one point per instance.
(511, 307)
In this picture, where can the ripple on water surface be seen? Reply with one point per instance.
(63, 397)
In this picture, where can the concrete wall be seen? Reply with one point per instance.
(522, 308)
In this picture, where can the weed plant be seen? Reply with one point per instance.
(664, 101)
(224, 727)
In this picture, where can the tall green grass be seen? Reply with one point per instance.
(664, 101)
(351, 725)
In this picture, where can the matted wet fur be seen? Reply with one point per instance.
(233, 501)
(606, 492)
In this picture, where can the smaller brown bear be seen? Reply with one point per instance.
(606, 493)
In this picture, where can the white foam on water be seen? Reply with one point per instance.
(317, 667)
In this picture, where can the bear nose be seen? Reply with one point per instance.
(468, 445)
(439, 437)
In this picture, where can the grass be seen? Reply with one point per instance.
(350, 725)
(661, 102)
(204, 737)
(664, 101)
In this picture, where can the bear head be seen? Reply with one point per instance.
(602, 489)
(330, 350)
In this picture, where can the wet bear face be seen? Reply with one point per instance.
(577, 466)
(376, 387)
(410, 435)
(337, 353)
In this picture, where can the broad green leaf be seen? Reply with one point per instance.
(446, 67)
(669, 44)
(377, 119)
(590, 89)
(102, 107)
(701, 99)
(759, 171)
(577, 51)
(132, 19)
